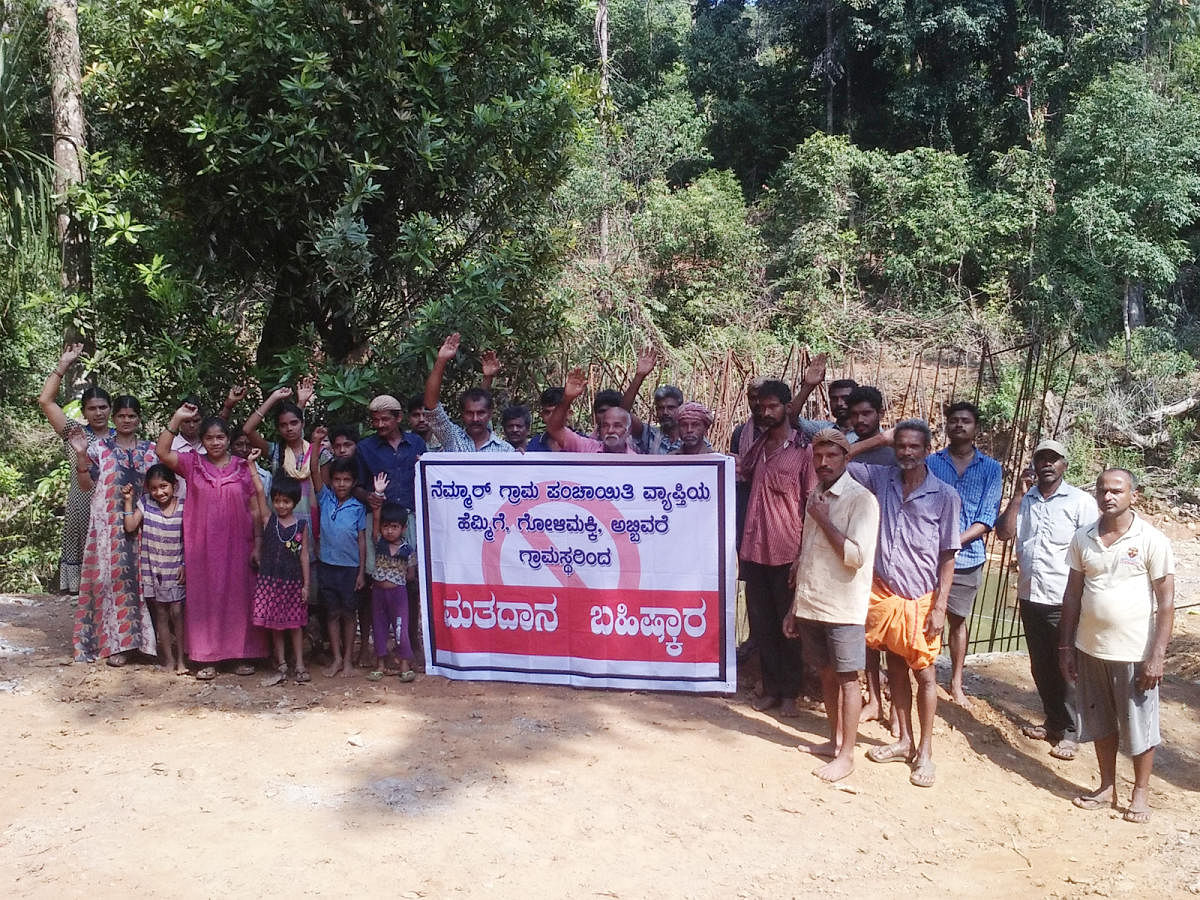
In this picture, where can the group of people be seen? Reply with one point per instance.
(853, 541)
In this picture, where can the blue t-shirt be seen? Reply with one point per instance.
(340, 525)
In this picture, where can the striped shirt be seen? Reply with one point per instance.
(979, 489)
(780, 483)
(162, 545)
(456, 440)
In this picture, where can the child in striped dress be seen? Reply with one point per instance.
(159, 513)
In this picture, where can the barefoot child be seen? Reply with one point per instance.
(341, 558)
(281, 594)
(159, 513)
(389, 593)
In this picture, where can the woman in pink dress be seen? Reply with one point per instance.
(220, 546)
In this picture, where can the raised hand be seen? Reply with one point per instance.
(74, 436)
(255, 453)
(381, 483)
(305, 390)
(319, 434)
(814, 372)
(127, 491)
(646, 361)
(70, 353)
(281, 393)
(1028, 479)
(186, 411)
(449, 348)
(490, 362)
(236, 395)
(575, 385)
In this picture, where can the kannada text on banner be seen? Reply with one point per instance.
(583, 569)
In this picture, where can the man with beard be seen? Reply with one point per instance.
(667, 400)
(613, 423)
(839, 393)
(1118, 611)
(832, 577)
(914, 566)
(475, 434)
(1043, 517)
(779, 468)
(516, 420)
(979, 481)
(693, 420)
(864, 413)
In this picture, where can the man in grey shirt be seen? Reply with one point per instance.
(1043, 517)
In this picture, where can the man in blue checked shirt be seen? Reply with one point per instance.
(475, 434)
(979, 481)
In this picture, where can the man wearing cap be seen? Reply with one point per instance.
(475, 435)
(832, 576)
(391, 451)
(979, 481)
(1118, 610)
(1043, 517)
(692, 422)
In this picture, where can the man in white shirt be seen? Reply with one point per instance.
(832, 577)
(1043, 517)
(1118, 610)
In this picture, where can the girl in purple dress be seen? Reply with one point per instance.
(281, 596)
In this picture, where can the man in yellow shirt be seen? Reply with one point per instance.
(1118, 610)
(832, 578)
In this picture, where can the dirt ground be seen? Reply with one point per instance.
(134, 780)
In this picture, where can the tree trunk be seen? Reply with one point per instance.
(1134, 313)
(66, 110)
(601, 33)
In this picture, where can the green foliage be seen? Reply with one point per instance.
(701, 251)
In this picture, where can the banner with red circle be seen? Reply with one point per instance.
(583, 569)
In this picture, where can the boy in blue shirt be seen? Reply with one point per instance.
(341, 558)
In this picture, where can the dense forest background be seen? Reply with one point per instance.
(272, 187)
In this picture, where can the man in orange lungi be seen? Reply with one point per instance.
(914, 567)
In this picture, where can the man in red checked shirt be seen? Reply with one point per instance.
(779, 468)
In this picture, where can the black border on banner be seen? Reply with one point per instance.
(490, 460)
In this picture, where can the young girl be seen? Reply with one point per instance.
(389, 594)
(281, 597)
(159, 513)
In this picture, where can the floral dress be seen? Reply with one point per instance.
(111, 616)
(279, 601)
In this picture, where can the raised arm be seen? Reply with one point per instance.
(262, 511)
(556, 425)
(433, 384)
(491, 368)
(166, 455)
(79, 443)
(131, 516)
(236, 395)
(813, 377)
(250, 429)
(48, 398)
(1006, 525)
(305, 389)
(646, 362)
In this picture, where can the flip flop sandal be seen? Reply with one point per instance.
(1035, 732)
(1137, 818)
(302, 676)
(408, 676)
(887, 755)
(116, 660)
(922, 776)
(277, 677)
(208, 673)
(244, 669)
(375, 676)
(1092, 803)
(1064, 749)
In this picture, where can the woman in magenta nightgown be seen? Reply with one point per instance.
(220, 539)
